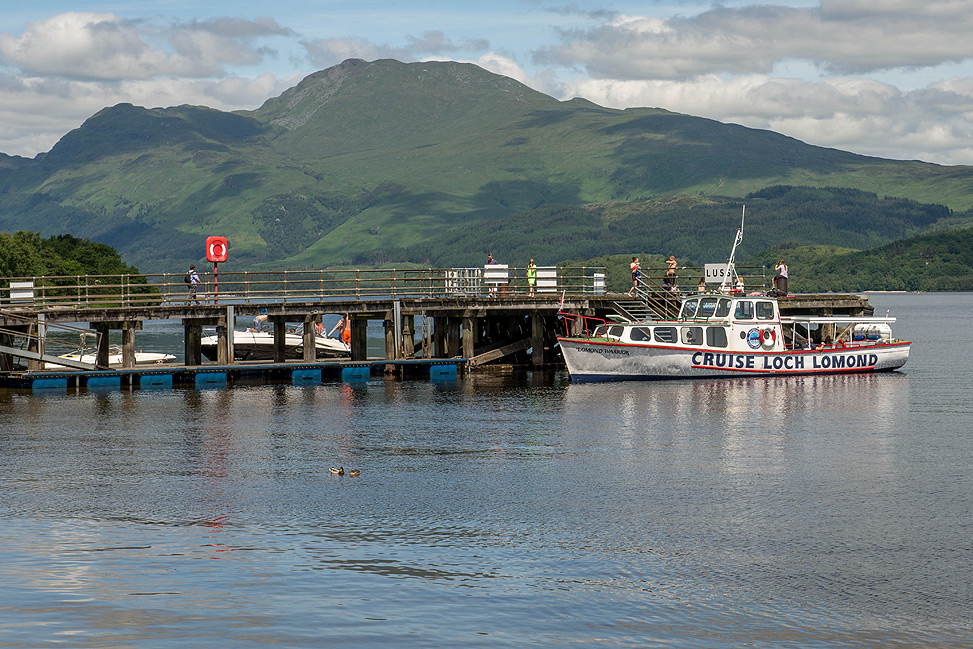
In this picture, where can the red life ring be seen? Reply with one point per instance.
(768, 337)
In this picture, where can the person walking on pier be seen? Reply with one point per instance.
(636, 273)
(193, 278)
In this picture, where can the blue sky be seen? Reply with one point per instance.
(891, 78)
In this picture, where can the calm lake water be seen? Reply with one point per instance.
(502, 511)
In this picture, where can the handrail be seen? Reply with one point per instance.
(258, 287)
(583, 321)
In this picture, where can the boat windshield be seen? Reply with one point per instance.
(707, 307)
(688, 309)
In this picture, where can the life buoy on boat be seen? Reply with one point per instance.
(768, 337)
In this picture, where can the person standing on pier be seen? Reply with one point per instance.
(636, 273)
(193, 284)
(531, 276)
(346, 330)
(780, 281)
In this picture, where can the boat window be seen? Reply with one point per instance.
(744, 310)
(688, 309)
(723, 309)
(765, 310)
(692, 335)
(707, 307)
(716, 336)
(639, 334)
(600, 331)
(616, 331)
(665, 334)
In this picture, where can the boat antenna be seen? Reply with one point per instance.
(729, 262)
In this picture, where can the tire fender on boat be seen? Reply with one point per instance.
(768, 337)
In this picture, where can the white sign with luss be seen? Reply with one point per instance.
(716, 273)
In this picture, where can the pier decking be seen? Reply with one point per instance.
(437, 322)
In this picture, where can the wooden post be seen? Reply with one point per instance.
(310, 333)
(101, 355)
(193, 337)
(469, 336)
(453, 341)
(359, 339)
(128, 345)
(34, 345)
(391, 353)
(537, 340)
(439, 336)
(280, 339)
(6, 360)
(408, 336)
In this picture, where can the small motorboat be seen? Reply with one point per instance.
(87, 355)
(259, 346)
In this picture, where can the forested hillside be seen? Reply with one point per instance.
(696, 229)
(933, 262)
(26, 254)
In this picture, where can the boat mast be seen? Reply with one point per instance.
(730, 272)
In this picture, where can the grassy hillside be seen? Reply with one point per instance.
(365, 159)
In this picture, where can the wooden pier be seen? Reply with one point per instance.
(466, 319)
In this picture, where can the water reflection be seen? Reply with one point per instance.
(804, 510)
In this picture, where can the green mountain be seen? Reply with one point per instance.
(364, 160)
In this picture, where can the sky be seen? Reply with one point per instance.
(888, 78)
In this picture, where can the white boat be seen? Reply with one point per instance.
(114, 358)
(259, 345)
(729, 336)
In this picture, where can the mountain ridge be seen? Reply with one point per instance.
(371, 156)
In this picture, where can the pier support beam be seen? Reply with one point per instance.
(35, 341)
(280, 339)
(193, 337)
(359, 339)
(439, 336)
(537, 356)
(101, 353)
(469, 336)
(391, 353)
(128, 345)
(454, 343)
(310, 332)
(408, 337)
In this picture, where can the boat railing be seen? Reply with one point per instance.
(257, 287)
(581, 326)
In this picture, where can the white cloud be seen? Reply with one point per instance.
(102, 46)
(839, 35)
(859, 115)
(36, 112)
(331, 51)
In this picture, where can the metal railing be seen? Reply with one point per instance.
(256, 287)
(663, 293)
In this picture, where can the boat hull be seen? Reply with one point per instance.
(605, 361)
(142, 359)
(259, 346)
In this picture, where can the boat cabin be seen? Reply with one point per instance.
(745, 323)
